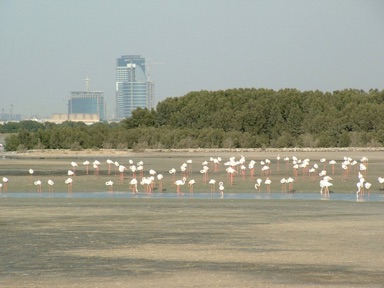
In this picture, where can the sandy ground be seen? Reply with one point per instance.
(190, 243)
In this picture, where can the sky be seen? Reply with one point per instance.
(49, 47)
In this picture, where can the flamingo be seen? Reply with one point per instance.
(121, 170)
(367, 186)
(30, 175)
(133, 169)
(5, 181)
(146, 181)
(160, 179)
(189, 162)
(179, 183)
(221, 188)
(183, 169)
(359, 189)
(173, 172)
(140, 168)
(110, 185)
(204, 172)
(1, 187)
(96, 164)
(283, 182)
(258, 184)
(212, 182)
(324, 185)
(86, 164)
(38, 184)
(74, 165)
(332, 163)
(133, 185)
(268, 182)
(69, 182)
(231, 171)
(71, 173)
(381, 181)
(190, 184)
(290, 181)
(109, 162)
(50, 185)
(323, 160)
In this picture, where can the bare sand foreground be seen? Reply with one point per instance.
(190, 243)
(69, 242)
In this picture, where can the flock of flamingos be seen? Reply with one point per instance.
(150, 180)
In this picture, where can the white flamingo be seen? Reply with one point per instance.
(38, 184)
(5, 181)
(69, 183)
(179, 183)
(86, 164)
(191, 183)
(268, 182)
(212, 182)
(133, 185)
(110, 185)
(160, 180)
(50, 185)
(74, 165)
(221, 188)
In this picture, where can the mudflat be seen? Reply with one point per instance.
(186, 242)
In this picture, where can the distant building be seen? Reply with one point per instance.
(88, 119)
(87, 102)
(133, 88)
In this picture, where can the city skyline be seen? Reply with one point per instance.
(48, 47)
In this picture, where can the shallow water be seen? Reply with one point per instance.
(196, 195)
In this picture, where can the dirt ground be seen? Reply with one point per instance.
(190, 243)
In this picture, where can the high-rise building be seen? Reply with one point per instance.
(87, 102)
(133, 88)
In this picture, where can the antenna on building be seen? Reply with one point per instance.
(87, 84)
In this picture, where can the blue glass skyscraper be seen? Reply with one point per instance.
(133, 90)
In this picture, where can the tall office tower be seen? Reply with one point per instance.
(133, 88)
(87, 102)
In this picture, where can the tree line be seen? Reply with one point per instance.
(234, 118)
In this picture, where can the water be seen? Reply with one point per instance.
(232, 196)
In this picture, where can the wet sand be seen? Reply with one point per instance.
(190, 243)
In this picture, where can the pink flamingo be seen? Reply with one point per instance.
(109, 162)
(231, 171)
(38, 184)
(221, 188)
(191, 183)
(110, 186)
(268, 182)
(283, 182)
(173, 173)
(30, 175)
(5, 181)
(74, 165)
(133, 186)
(121, 170)
(50, 185)
(212, 182)
(179, 183)
(160, 179)
(69, 183)
(86, 164)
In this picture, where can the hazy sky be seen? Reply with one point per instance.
(48, 47)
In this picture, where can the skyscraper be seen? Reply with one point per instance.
(133, 88)
(87, 102)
